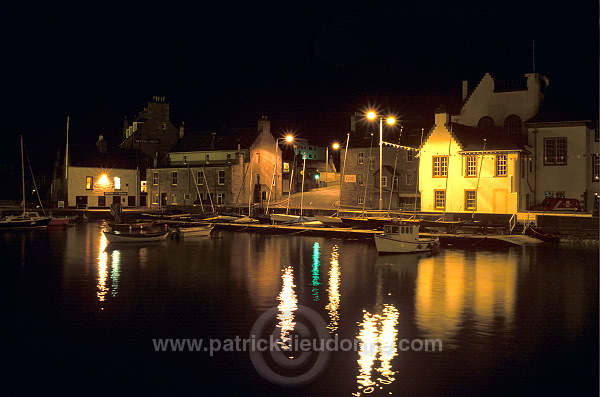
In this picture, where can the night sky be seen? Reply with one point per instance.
(307, 66)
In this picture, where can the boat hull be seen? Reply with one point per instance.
(135, 237)
(391, 245)
(195, 231)
(24, 223)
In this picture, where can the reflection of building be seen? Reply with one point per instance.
(458, 287)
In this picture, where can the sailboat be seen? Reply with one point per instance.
(27, 219)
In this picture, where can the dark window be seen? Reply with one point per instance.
(513, 124)
(555, 151)
(486, 123)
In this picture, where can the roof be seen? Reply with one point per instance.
(472, 138)
(90, 156)
(226, 139)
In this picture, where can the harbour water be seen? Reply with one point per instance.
(84, 316)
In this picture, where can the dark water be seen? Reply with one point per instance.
(82, 315)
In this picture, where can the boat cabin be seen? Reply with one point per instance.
(400, 229)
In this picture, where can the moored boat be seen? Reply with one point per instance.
(193, 231)
(26, 220)
(398, 238)
(117, 237)
(128, 226)
(547, 237)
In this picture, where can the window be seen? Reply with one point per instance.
(173, 198)
(595, 168)
(117, 181)
(439, 199)
(555, 151)
(361, 158)
(286, 167)
(371, 163)
(409, 179)
(200, 177)
(258, 157)
(409, 155)
(501, 165)
(174, 178)
(207, 159)
(384, 181)
(89, 183)
(513, 124)
(395, 182)
(143, 187)
(221, 177)
(155, 178)
(485, 123)
(360, 179)
(228, 157)
(471, 166)
(360, 200)
(470, 200)
(155, 198)
(101, 201)
(220, 198)
(440, 166)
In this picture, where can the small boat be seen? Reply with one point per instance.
(193, 231)
(128, 226)
(279, 218)
(547, 237)
(398, 238)
(118, 237)
(26, 220)
(307, 221)
(60, 221)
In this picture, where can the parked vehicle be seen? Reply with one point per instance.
(558, 204)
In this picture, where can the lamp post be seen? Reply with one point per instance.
(289, 139)
(334, 146)
(371, 115)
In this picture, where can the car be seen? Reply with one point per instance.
(558, 204)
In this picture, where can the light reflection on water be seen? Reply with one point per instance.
(485, 305)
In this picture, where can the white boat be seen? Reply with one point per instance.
(404, 239)
(25, 220)
(194, 231)
(116, 237)
(283, 217)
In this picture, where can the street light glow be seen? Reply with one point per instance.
(335, 146)
(289, 138)
(390, 121)
(371, 115)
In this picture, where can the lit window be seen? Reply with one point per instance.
(221, 177)
(470, 199)
(117, 183)
(360, 200)
(501, 165)
(440, 166)
(440, 199)
(471, 165)
(555, 151)
(286, 167)
(143, 187)
(361, 158)
(89, 182)
(174, 178)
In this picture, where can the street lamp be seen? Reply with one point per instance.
(334, 146)
(289, 139)
(371, 115)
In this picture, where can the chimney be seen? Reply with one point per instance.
(101, 144)
(442, 117)
(264, 125)
(465, 89)
(181, 130)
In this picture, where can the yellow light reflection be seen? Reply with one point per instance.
(288, 304)
(378, 338)
(102, 288)
(115, 271)
(333, 290)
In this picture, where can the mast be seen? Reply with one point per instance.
(23, 174)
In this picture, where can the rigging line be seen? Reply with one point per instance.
(394, 174)
(367, 178)
(447, 172)
(196, 186)
(37, 191)
(207, 189)
(242, 185)
(417, 181)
